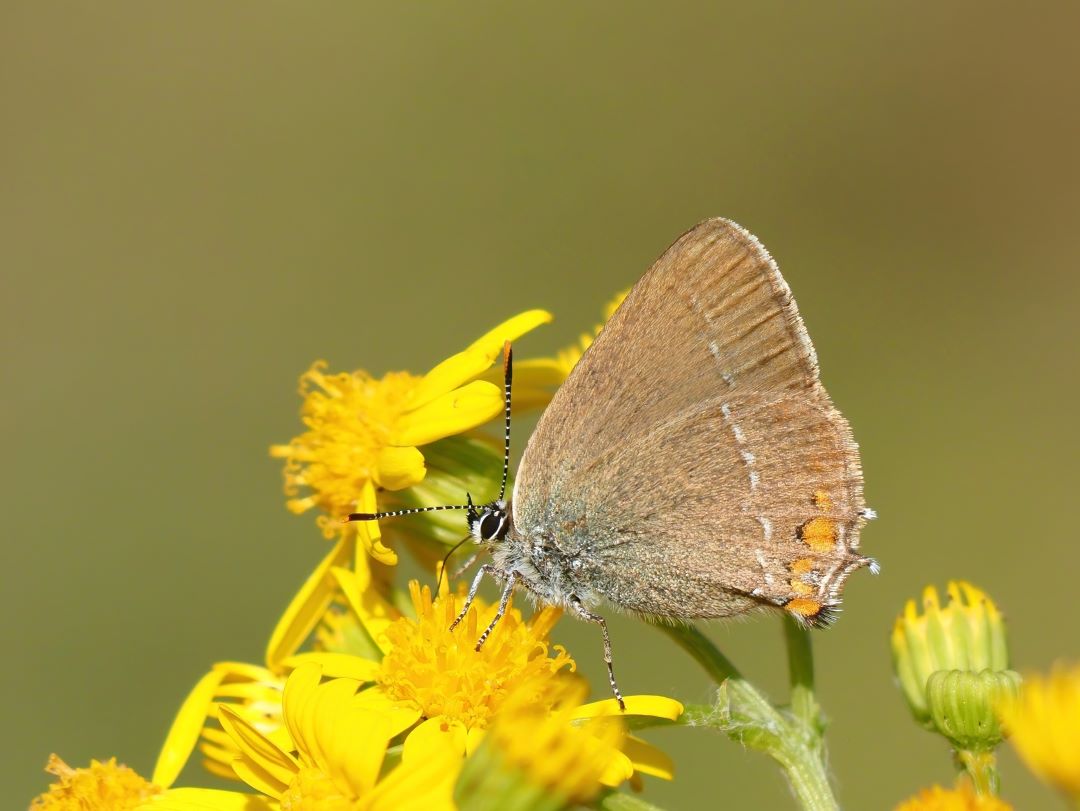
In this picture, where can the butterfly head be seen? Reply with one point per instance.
(488, 523)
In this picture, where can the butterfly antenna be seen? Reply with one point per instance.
(508, 374)
(446, 561)
(396, 513)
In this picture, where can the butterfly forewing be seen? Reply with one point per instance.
(692, 460)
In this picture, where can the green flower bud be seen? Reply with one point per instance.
(968, 634)
(962, 705)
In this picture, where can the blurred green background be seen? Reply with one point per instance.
(198, 199)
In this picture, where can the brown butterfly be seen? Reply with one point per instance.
(692, 465)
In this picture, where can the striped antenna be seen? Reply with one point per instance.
(508, 374)
(396, 513)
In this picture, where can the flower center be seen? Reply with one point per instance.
(442, 673)
(350, 418)
(100, 785)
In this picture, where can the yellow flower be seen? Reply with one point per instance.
(967, 634)
(331, 754)
(327, 756)
(108, 786)
(438, 672)
(961, 798)
(535, 378)
(1044, 725)
(365, 433)
(536, 747)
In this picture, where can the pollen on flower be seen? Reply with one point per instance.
(350, 419)
(439, 670)
(100, 785)
(539, 739)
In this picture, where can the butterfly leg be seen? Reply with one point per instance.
(511, 581)
(588, 616)
(487, 568)
(464, 567)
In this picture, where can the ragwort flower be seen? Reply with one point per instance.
(108, 786)
(364, 434)
(439, 672)
(961, 798)
(536, 755)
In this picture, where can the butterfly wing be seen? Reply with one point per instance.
(692, 462)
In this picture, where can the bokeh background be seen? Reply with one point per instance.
(198, 199)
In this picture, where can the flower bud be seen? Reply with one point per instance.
(962, 705)
(967, 633)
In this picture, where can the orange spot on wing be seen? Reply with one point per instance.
(800, 588)
(802, 566)
(822, 500)
(803, 607)
(819, 534)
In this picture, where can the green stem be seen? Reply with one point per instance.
(792, 738)
(981, 767)
(701, 648)
(801, 672)
(809, 782)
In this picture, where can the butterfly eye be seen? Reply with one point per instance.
(491, 525)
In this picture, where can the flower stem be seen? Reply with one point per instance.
(792, 738)
(981, 767)
(701, 648)
(801, 672)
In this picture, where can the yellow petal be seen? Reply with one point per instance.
(231, 671)
(466, 365)
(647, 759)
(368, 532)
(298, 695)
(255, 776)
(618, 770)
(459, 410)
(447, 376)
(538, 373)
(374, 611)
(400, 714)
(185, 730)
(343, 746)
(419, 785)
(215, 763)
(308, 606)
(205, 799)
(266, 767)
(336, 665)
(355, 743)
(433, 738)
(491, 343)
(473, 741)
(655, 706)
(397, 468)
(345, 740)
